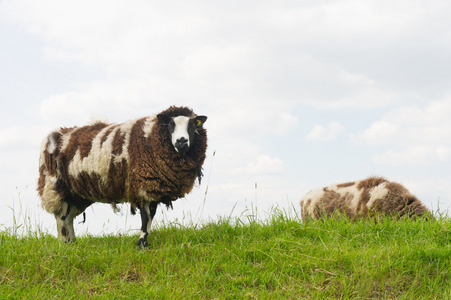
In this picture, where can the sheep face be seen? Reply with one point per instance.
(182, 130)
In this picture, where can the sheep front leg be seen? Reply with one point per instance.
(65, 222)
(147, 212)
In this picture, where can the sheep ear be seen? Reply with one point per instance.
(163, 119)
(200, 120)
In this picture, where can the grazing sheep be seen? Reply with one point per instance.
(366, 197)
(145, 162)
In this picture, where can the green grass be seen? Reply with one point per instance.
(279, 257)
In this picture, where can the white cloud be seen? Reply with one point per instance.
(118, 99)
(251, 119)
(415, 155)
(256, 51)
(380, 133)
(20, 136)
(338, 19)
(322, 133)
(412, 125)
(264, 164)
(412, 134)
(239, 159)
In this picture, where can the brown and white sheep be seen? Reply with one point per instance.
(368, 197)
(144, 162)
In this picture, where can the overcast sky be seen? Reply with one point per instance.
(298, 94)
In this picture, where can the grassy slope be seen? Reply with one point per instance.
(277, 258)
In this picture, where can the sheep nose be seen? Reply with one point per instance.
(181, 145)
(182, 140)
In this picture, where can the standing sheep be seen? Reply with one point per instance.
(362, 198)
(145, 162)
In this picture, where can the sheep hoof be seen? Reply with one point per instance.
(142, 243)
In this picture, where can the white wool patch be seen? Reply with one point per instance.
(51, 146)
(379, 192)
(352, 190)
(181, 129)
(99, 158)
(51, 200)
(66, 139)
(148, 125)
(126, 130)
(76, 165)
(101, 154)
(315, 197)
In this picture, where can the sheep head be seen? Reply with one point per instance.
(182, 130)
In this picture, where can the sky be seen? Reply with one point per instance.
(298, 94)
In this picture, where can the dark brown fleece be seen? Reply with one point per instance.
(400, 202)
(157, 168)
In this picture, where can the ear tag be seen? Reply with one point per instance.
(198, 122)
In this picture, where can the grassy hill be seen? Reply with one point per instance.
(280, 257)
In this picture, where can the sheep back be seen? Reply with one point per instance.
(368, 197)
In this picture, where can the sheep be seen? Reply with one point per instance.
(145, 162)
(368, 197)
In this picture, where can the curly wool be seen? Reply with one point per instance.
(157, 170)
(115, 163)
(367, 197)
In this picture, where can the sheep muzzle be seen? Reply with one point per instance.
(181, 145)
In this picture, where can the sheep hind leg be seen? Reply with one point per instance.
(65, 222)
(147, 212)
